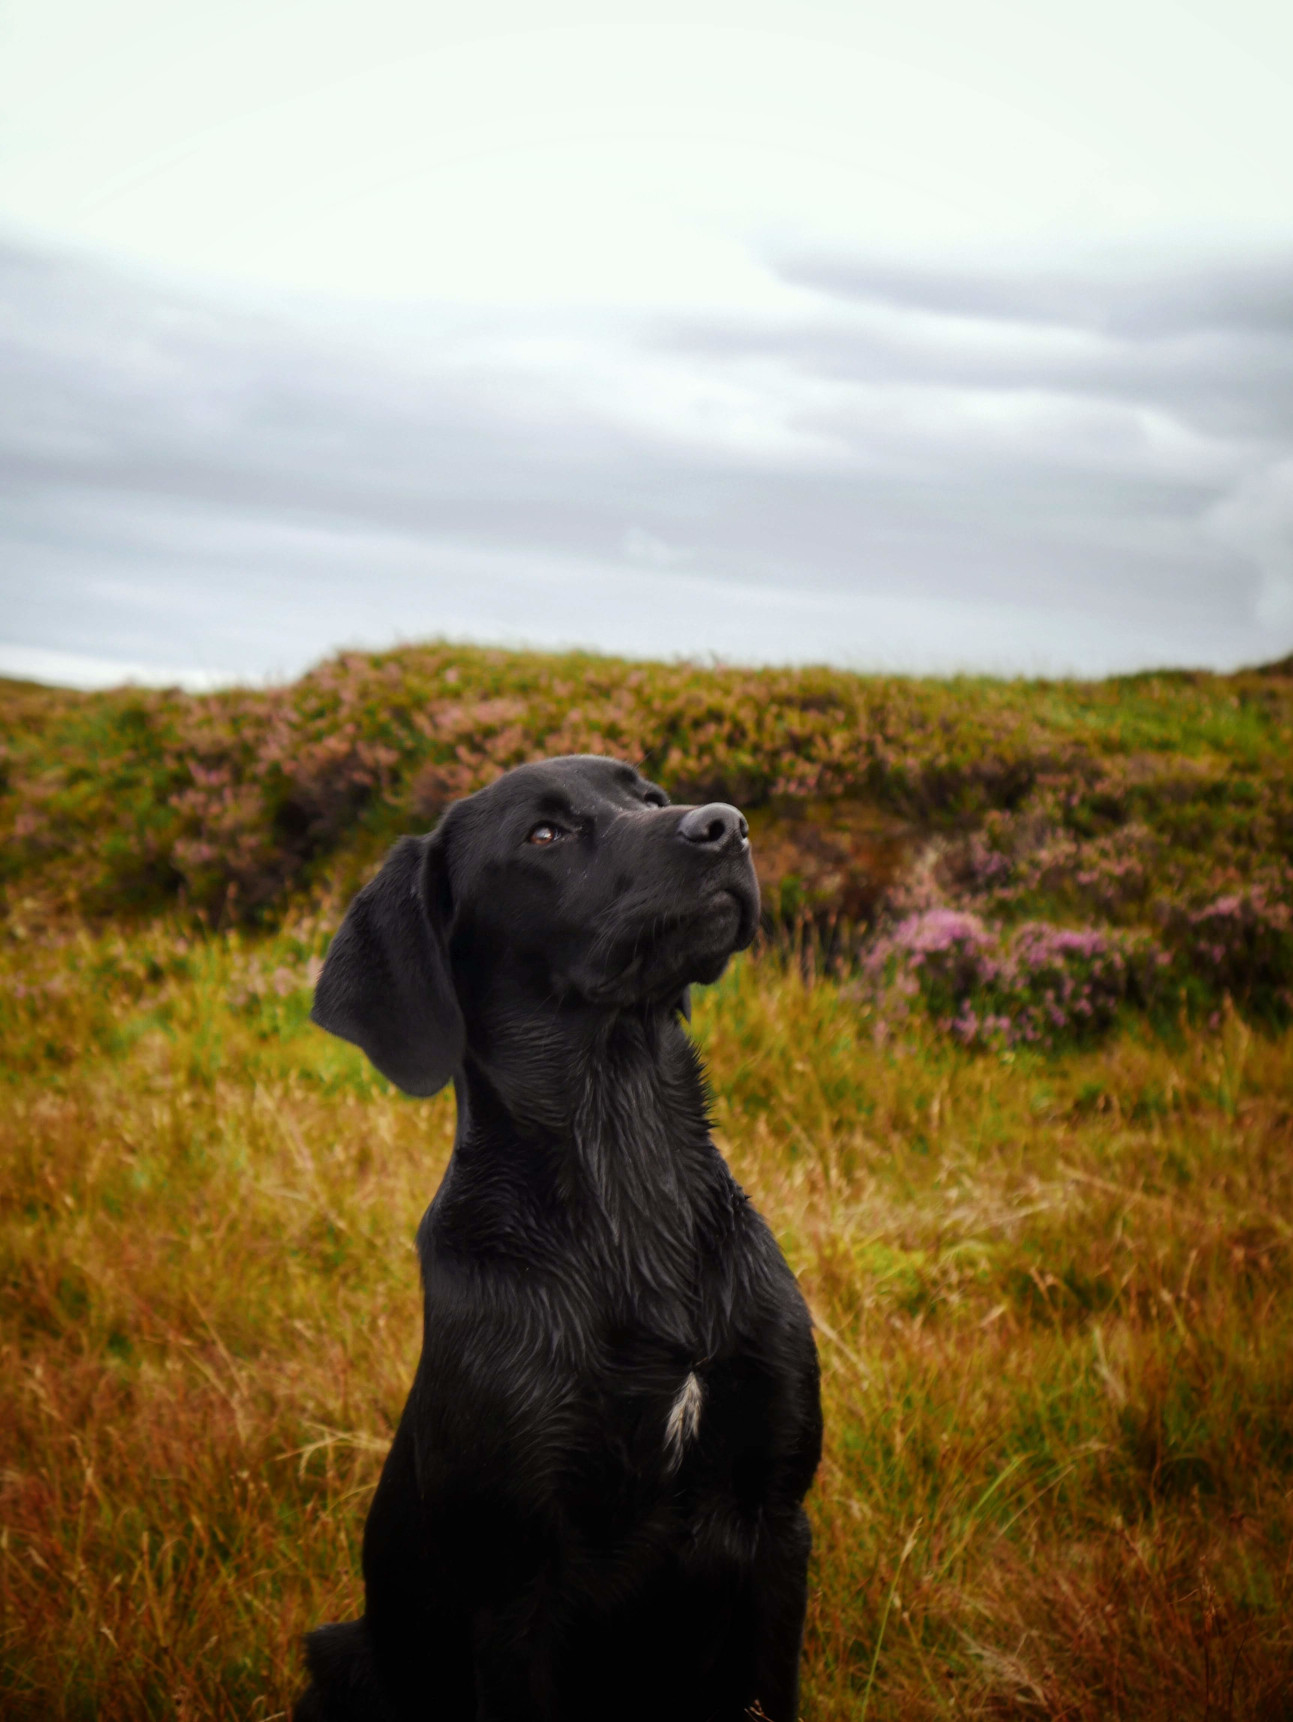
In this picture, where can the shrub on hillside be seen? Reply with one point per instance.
(1145, 803)
(228, 797)
(1038, 985)
(1240, 945)
(1018, 862)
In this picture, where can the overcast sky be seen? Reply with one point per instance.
(932, 336)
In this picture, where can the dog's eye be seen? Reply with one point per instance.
(543, 834)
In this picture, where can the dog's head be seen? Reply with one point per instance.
(568, 884)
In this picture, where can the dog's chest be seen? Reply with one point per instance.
(662, 1445)
(678, 1362)
(682, 1394)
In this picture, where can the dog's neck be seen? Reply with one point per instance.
(638, 1119)
(585, 1079)
(604, 1116)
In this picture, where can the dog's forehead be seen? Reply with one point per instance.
(574, 777)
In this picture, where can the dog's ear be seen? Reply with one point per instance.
(386, 983)
(684, 1004)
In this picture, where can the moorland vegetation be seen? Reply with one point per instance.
(1011, 1074)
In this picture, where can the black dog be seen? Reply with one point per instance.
(591, 1511)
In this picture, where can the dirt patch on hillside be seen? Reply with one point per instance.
(830, 858)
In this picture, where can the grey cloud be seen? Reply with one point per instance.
(1038, 483)
(1149, 302)
(1231, 381)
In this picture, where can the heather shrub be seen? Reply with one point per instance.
(1149, 805)
(1240, 945)
(1020, 864)
(1038, 985)
(226, 799)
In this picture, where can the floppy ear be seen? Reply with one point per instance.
(385, 982)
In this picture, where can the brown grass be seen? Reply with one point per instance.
(1053, 1300)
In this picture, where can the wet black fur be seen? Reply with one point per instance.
(533, 1550)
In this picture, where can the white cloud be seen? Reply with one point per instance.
(647, 548)
(580, 154)
(85, 670)
(1257, 519)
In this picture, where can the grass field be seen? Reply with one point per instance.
(1053, 1297)
(1051, 1268)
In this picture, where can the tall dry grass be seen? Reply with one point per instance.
(1053, 1301)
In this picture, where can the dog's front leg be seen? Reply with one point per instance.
(514, 1660)
(417, 1614)
(779, 1601)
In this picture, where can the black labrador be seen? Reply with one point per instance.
(592, 1508)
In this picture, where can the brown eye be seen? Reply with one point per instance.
(543, 834)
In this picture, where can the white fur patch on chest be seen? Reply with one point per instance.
(683, 1422)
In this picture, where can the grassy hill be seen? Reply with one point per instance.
(1010, 1075)
(1141, 802)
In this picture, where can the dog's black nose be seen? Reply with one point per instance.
(717, 827)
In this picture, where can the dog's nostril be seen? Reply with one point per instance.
(716, 826)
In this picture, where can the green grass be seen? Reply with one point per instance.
(1053, 1296)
